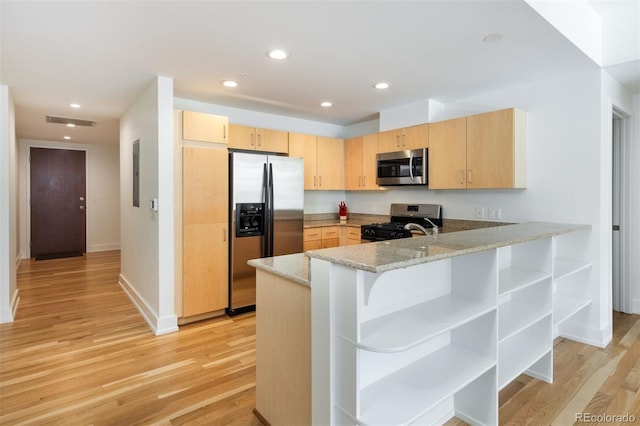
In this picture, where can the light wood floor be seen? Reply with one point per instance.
(79, 353)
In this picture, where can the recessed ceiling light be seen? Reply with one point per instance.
(74, 105)
(67, 137)
(491, 38)
(277, 54)
(381, 85)
(229, 83)
(326, 104)
(71, 125)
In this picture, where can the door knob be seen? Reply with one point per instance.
(81, 207)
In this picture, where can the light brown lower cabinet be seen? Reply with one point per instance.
(327, 237)
(312, 239)
(283, 350)
(350, 235)
(204, 268)
(330, 236)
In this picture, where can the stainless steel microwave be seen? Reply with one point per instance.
(408, 167)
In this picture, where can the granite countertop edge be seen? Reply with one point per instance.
(294, 267)
(396, 254)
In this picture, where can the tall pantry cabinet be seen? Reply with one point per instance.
(201, 215)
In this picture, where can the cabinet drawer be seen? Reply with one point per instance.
(312, 234)
(311, 245)
(330, 242)
(353, 233)
(330, 232)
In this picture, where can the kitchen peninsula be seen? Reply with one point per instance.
(414, 331)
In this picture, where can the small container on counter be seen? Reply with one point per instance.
(343, 211)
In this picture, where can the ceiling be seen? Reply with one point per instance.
(103, 54)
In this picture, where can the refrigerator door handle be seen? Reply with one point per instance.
(267, 220)
(271, 211)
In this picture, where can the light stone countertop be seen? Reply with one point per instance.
(294, 267)
(395, 254)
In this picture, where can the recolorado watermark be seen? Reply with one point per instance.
(605, 418)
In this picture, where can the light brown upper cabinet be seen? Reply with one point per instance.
(202, 127)
(360, 162)
(252, 138)
(323, 160)
(494, 153)
(413, 137)
(448, 154)
(497, 149)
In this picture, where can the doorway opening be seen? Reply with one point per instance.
(57, 184)
(621, 202)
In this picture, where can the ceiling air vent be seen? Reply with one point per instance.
(75, 121)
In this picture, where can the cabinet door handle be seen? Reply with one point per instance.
(224, 132)
(319, 181)
(470, 175)
(403, 142)
(461, 177)
(397, 141)
(224, 234)
(253, 138)
(259, 140)
(314, 182)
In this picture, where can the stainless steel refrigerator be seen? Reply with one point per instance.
(266, 218)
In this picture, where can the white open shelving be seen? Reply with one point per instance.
(403, 397)
(524, 308)
(564, 307)
(570, 279)
(521, 351)
(563, 268)
(422, 344)
(516, 278)
(402, 330)
(524, 311)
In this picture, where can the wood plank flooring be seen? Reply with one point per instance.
(79, 353)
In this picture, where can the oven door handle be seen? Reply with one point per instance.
(411, 167)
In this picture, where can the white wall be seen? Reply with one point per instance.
(103, 206)
(8, 208)
(569, 175)
(261, 119)
(147, 236)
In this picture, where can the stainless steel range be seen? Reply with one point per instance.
(424, 215)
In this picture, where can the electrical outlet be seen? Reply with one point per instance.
(495, 213)
(479, 212)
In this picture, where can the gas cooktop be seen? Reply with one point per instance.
(401, 214)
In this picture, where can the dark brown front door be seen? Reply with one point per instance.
(58, 203)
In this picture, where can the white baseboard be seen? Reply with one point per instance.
(635, 306)
(599, 337)
(103, 247)
(159, 325)
(8, 312)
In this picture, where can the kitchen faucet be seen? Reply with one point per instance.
(434, 230)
